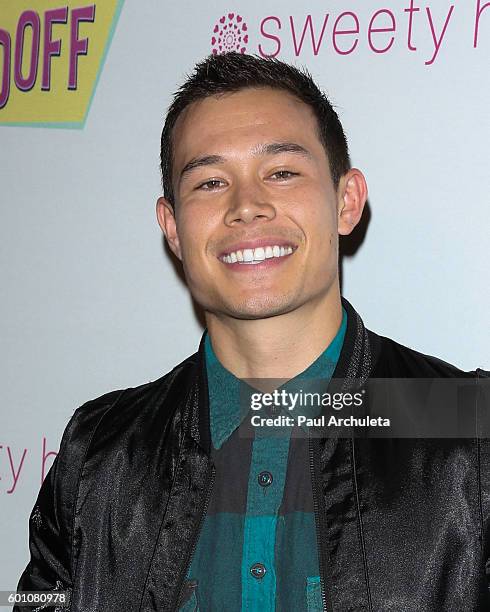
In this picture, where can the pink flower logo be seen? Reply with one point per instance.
(229, 34)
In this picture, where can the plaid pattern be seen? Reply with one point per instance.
(248, 524)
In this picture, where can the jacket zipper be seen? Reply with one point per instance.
(197, 531)
(320, 540)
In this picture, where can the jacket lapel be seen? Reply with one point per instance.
(188, 498)
(340, 508)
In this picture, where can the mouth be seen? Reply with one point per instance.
(258, 255)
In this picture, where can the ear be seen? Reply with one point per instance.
(352, 195)
(166, 220)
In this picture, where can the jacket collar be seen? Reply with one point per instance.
(358, 355)
(354, 366)
(227, 411)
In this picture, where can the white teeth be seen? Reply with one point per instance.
(259, 254)
(250, 256)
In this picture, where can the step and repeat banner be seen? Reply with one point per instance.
(91, 300)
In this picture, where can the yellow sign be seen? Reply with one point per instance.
(51, 57)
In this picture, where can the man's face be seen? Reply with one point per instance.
(256, 214)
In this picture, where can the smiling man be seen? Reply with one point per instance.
(254, 218)
(165, 496)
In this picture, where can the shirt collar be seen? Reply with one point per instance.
(225, 411)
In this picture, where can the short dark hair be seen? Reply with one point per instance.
(232, 72)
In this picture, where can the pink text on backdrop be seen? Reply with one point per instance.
(12, 48)
(342, 32)
(14, 460)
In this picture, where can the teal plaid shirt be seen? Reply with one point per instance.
(257, 548)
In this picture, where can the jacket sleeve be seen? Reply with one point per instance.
(52, 549)
(50, 537)
(483, 378)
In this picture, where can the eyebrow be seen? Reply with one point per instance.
(271, 148)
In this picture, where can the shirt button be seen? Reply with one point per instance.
(258, 570)
(265, 478)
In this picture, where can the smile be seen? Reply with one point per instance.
(257, 255)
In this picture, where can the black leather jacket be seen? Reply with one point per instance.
(403, 524)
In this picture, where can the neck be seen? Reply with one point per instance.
(281, 346)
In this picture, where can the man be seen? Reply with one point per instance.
(165, 496)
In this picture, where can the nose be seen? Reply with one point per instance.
(249, 203)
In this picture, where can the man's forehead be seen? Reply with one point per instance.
(243, 104)
(266, 114)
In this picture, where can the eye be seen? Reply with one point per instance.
(209, 185)
(284, 174)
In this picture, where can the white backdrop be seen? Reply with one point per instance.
(91, 301)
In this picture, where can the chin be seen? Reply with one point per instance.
(261, 307)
